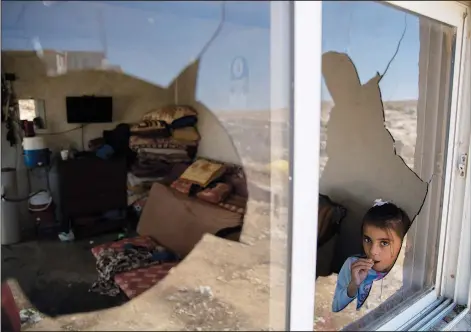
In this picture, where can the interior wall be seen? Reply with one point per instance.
(132, 98)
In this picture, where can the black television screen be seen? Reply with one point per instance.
(89, 109)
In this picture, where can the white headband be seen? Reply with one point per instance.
(379, 202)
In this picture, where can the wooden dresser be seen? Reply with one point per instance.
(90, 186)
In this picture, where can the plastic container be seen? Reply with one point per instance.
(42, 209)
(40, 202)
(10, 223)
(36, 152)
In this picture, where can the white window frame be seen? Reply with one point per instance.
(305, 170)
(307, 103)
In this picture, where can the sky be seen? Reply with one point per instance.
(155, 40)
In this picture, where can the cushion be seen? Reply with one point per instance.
(135, 282)
(186, 134)
(170, 113)
(215, 194)
(144, 241)
(182, 186)
(154, 128)
(202, 172)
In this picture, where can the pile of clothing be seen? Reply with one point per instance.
(163, 138)
(111, 262)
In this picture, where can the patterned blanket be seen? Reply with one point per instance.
(111, 262)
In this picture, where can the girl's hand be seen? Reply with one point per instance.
(359, 270)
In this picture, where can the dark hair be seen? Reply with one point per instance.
(388, 216)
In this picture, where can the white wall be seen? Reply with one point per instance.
(131, 99)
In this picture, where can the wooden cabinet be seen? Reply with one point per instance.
(91, 186)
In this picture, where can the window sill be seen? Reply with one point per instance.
(395, 312)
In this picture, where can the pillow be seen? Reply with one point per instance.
(182, 186)
(154, 128)
(186, 134)
(170, 113)
(216, 194)
(202, 172)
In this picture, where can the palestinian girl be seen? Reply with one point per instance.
(383, 229)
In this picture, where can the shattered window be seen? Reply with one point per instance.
(385, 90)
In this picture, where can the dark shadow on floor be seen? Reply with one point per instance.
(55, 276)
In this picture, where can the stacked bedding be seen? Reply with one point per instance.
(164, 140)
(164, 137)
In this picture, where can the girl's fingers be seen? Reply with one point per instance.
(361, 267)
(366, 265)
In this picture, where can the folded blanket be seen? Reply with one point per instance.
(186, 134)
(176, 115)
(158, 152)
(141, 171)
(150, 128)
(137, 142)
(152, 164)
(168, 158)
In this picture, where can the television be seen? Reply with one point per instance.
(89, 109)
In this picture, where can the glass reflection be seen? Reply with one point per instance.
(212, 57)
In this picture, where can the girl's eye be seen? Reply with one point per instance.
(384, 243)
(367, 240)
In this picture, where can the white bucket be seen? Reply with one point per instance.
(40, 202)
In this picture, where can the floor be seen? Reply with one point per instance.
(55, 276)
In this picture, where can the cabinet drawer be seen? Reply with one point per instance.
(83, 186)
(91, 185)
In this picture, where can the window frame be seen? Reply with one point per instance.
(307, 37)
(304, 173)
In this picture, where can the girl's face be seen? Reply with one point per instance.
(382, 246)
